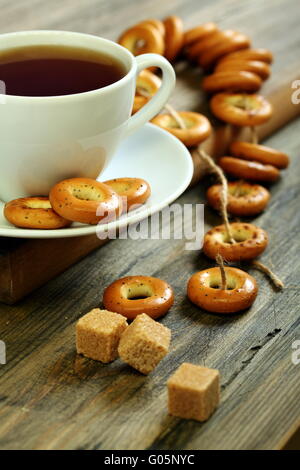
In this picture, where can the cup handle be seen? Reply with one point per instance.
(160, 98)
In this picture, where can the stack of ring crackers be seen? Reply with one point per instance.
(82, 200)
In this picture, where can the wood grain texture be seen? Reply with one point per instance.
(52, 399)
(43, 259)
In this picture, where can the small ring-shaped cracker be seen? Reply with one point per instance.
(231, 81)
(147, 85)
(133, 191)
(234, 43)
(204, 290)
(216, 37)
(197, 129)
(147, 82)
(157, 24)
(254, 66)
(85, 200)
(259, 153)
(247, 170)
(241, 109)
(250, 242)
(173, 37)
(142, 39)
(33, 213)
(263, 55)
(244, 199)
(199, 32)
(133, 295)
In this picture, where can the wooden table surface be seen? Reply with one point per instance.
(52, 399)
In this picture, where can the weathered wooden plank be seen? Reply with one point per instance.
(114, 407)
(43, 259)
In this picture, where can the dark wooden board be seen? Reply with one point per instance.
(26, 265)
(51, 398)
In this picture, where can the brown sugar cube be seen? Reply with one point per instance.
(144, 343)
(193, 392)
(98, 334)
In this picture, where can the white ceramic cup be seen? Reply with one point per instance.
(46, 139)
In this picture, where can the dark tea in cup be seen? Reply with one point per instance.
(50, 70)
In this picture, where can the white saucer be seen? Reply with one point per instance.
(150, 153)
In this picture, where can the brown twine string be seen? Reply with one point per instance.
(274, 278)
(175, 115)
(254, 135)
(143, 92)
(238, 189)
(257, 264)
(224, 192)
(220, 262)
